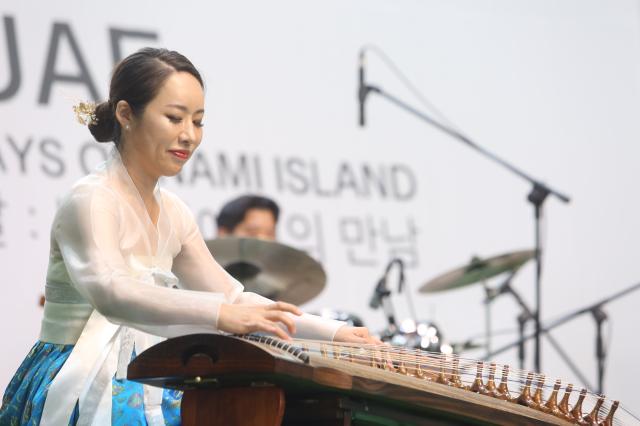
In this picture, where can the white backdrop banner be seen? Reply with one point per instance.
(552, 87)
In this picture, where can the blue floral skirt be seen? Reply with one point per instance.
(24, 398)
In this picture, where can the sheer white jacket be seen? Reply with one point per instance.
(110, 286)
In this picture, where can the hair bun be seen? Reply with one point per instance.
(103, 127)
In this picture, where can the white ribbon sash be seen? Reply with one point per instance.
(95, 342)
(102, 351)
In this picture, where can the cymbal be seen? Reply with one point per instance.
(270, 269)
(478, 270)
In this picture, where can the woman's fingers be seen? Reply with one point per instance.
(279, 312)
(361, 331)
(360, 335)
(275, 319)
(356, 335)
(284, 318)
(273, 328)
(364, 333)
(285, 307)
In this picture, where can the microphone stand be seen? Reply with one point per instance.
(381, 295)
(536, 196)
(381, 298)
(599, 316)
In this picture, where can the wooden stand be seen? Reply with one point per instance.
(250, 406)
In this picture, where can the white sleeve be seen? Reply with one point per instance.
(194, 265)
(87, 231)
(198, 270)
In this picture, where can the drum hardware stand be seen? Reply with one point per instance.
(523, 318)
(490, 295)
(537, 196)
(487, 316)
(598, 315)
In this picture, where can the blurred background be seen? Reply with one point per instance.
(551, 86)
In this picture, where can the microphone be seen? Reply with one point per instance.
(363, 90)
(379, 293)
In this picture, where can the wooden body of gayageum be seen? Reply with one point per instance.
(264, 381)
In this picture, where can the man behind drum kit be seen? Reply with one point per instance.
(256, 216)
(249, 216)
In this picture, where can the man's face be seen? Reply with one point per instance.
(257, 223)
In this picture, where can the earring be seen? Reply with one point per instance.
(126, 127)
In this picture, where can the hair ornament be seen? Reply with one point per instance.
(86, 113)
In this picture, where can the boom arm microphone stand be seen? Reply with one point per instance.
(536, 196)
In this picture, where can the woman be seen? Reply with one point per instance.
(119, 247)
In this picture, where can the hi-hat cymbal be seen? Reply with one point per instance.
(270, 269)
(478, 270)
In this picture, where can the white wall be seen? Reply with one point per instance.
(550, 86)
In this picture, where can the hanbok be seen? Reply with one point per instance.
(116, 284)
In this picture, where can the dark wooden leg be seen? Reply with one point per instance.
(316, 411)
(247, 406)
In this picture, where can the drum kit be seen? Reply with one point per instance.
(270, 269)
(280, 272)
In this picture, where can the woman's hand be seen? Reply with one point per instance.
(349, 334)
(241, 319)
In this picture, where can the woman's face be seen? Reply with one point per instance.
(162, 140)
